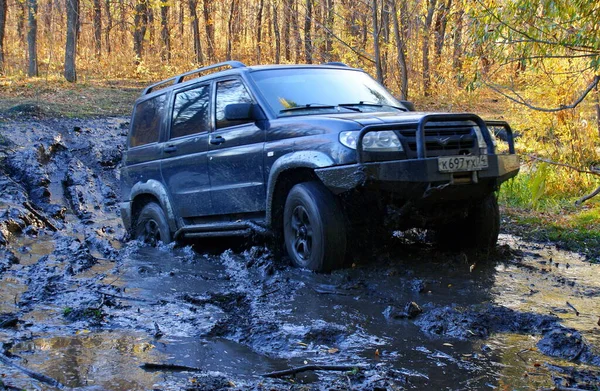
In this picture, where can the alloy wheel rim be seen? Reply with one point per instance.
(302, 233)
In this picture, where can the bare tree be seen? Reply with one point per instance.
(140, 21)
(209, 26)
(401, 53)
(231, 27)
(277, 35)
(109, 25)
(164, 31)
(97, 8)
(32, 69)
(71, 45)
(259, 17)
(3, 10)
(307, 37)
(376, 42)
(426, 31)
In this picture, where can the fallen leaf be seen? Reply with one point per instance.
(333, 350)
(472, 267)
(537, 364)
(84, 331)
(377, 352)
(302, 344)
(448, 344)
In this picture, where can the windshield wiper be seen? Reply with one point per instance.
(361, 103)
(311, 106)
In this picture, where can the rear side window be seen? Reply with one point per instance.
(228, 92)
(190, 112)
(146, 121)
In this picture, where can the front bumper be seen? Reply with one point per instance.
(412, 178)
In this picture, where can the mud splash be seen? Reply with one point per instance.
(83, 307)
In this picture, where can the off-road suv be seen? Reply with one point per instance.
(316, 155)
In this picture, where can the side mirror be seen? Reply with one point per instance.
(243, 112)
(409, 105)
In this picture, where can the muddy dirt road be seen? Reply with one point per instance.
(82, 307)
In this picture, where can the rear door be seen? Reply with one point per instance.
(235, 155)
(184, 164)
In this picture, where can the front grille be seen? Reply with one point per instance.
(441, 138)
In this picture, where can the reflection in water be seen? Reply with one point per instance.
(107, 359)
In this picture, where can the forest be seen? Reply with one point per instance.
(535, 64)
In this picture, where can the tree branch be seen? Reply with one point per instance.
(522, 101)
(580, 170)
(293, 371)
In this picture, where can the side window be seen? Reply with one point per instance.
(228, 92)
(146, 121)
(190, 112)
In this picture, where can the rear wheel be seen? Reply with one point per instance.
(151, 225)
(479, 229)
(314, 228)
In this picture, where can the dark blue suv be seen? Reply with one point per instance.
(316, 155)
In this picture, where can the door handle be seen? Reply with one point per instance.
(170, 148)
(217, 140)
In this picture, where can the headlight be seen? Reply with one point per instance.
(384, 141)
(481, 141)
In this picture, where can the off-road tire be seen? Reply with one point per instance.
(314, 228)
(151, 225)
(478, 230)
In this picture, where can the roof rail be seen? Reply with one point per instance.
(337, 64)
(180, 78)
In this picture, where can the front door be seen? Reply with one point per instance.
(184, 165)
(235, 158)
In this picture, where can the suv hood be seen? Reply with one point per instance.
(377, 118)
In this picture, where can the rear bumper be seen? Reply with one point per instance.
(415, 178)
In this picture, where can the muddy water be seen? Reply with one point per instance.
(81, 305)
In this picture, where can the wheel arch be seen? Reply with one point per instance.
(287, 171)
(152, 191)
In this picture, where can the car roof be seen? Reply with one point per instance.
(231, 67)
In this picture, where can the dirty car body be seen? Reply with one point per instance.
(316, 155)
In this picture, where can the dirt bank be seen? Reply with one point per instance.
(82, 307)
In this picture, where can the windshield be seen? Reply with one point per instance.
(313, 90)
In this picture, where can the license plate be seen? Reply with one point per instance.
(462, 163)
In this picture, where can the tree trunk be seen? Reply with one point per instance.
(164, 31)
(3, 10)
(287, 5)
(109, 25)
(296, 31)
(277, 35)
(329, 24)
(230, 28)
(209, 26)
(307, 37)
(598, 108)
(376, 43)
(122, 20)
(32, 69)
(181, 22)
(441, 22)
(259, 30)
(426, 30)
(199, 57)
(150, 24)
(140, 21)
(48, 17)
(401, 49)
(21, 12)
(457, 49)
(97, 8)
(71, 45)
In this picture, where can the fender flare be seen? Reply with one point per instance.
(299, 159)
(156, 189)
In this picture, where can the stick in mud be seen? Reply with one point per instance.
(573, 308)
(34, 375)
(305, 368)
(148, 366)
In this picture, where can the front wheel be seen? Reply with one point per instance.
(314, 228)
(479, 229)
(151, 225)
